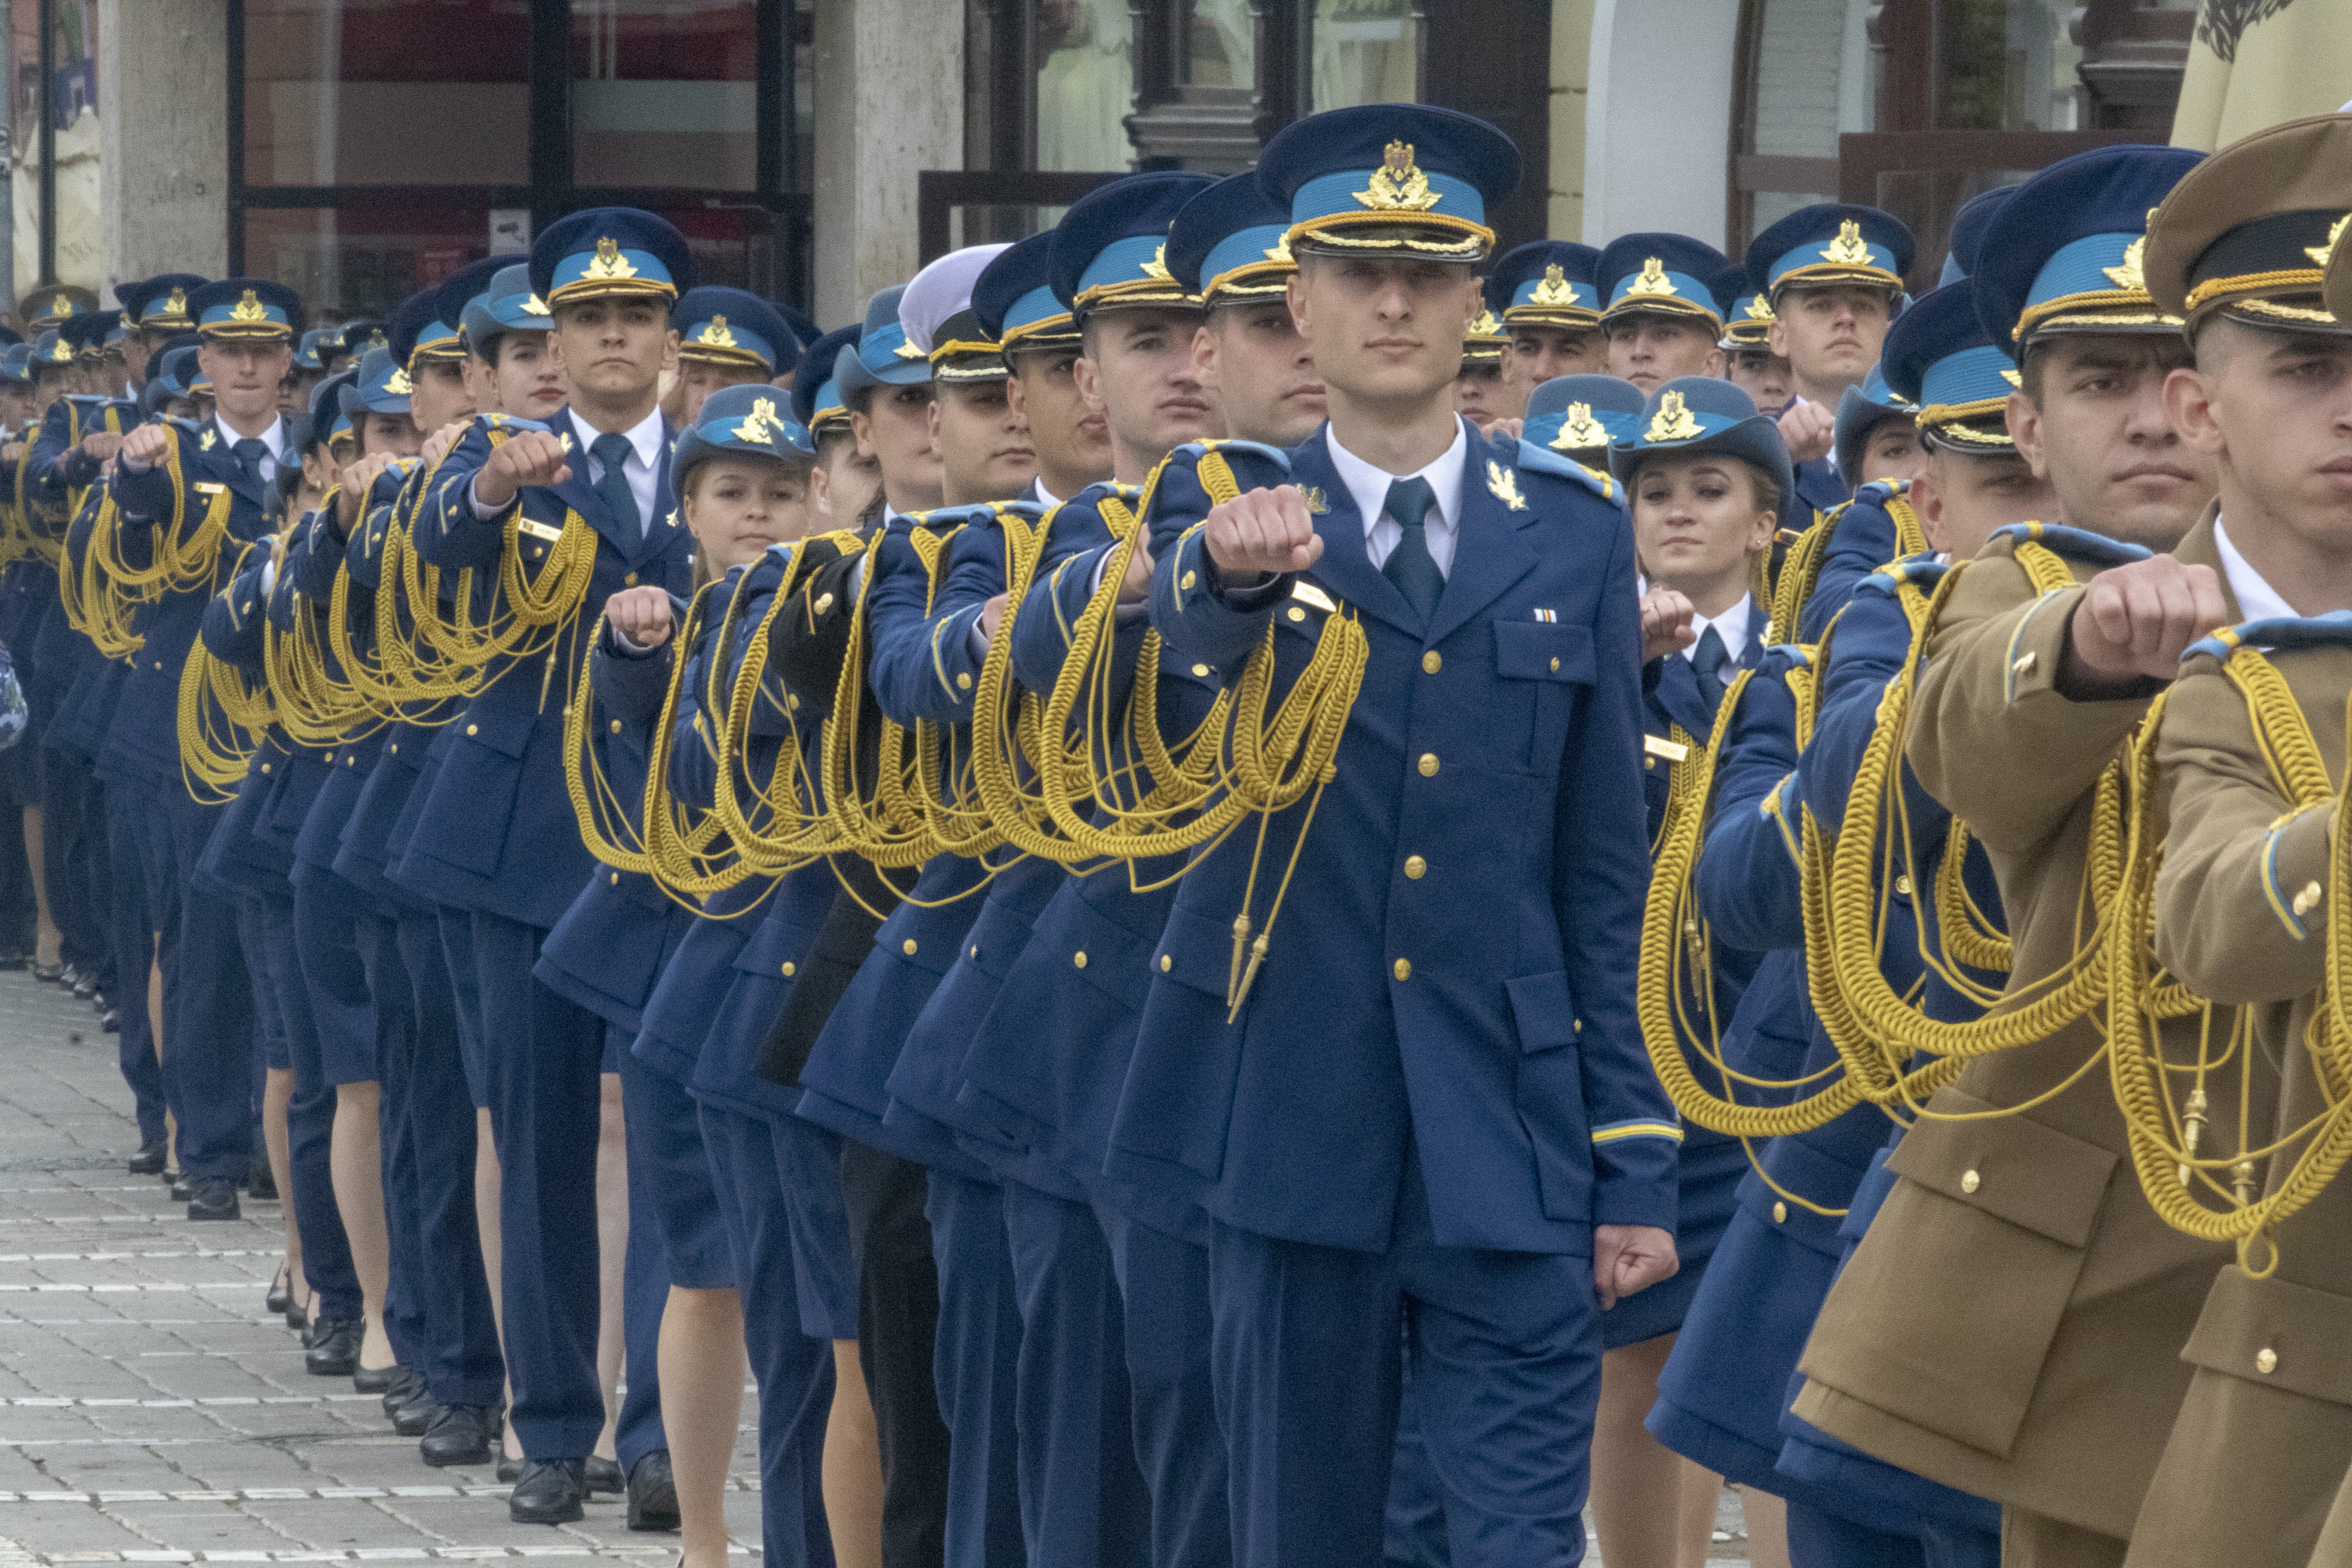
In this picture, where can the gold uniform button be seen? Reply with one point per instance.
(1402, 969)
(1649, 762)
(1416, 867)
(350, 762)
(907, 947)
(617, 726)
(1295, 614)
(473, 729)
(1429, 764)
(824, 602)
(2308, 900)
(1200, 669)
(1187, 581)
(629, 580)
(2266, 1361)
(1165, 964)
(789, 967)
(975, 950)
(963, 680)
(1970, 1180)
(1555, 667)
(617, 879)
(1903, 886)
(1432, 662)
(265, 767)
(2023, 664)
(1079, 960)
(395, 748)
(1779, 1214)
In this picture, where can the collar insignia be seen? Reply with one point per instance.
(1652, 281)
(760, 424)
(1673, 421)
(533, 305)
(1758, 308)
(1505, 484)
(609, 262)
(249, 309)
(2320, 253)
(2013, 378)
(1397, 185)
(714, 334)
(399, 385)
(1281, 252)
(1580, 429)
(1315, 502)
(564, 441)
(672, 519)
(1157, 266)
(2127, 274)
(1555, 290)
(208, 439)
(1849, 249)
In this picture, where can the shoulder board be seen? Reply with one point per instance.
(1921, 572)
(1108, 489)
(1878, 492)
(2284, 633)
(1786, 655)
(1534, 460)
(87, 399)
(501, 425)
(941, 520)
(189, 427)
(2074, 543)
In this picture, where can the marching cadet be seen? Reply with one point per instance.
(508, 366)
(176, 478)
(2052, 1406)
(157, 308)
(1381, 1111)
(1227, 247)
(888, 394)
(2264, 1436)
(983, 442)
(1832, 276)
(1139, 368)
(1659, 317)
(1580, 417)
(48, 306)
(1478, 394)
(727, 338)
(1547, 298)
(1014, 306)
(1748, 362)
(494, 834)
(1873, 436)
(1708, 485)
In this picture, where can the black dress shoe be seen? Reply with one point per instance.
(334, 1350)
(460, 1435)
(299, 1318)
(603, 1477)
(111, 1021)
(407, 1383)
(259, 1183)
(375, 1379)
(509, 1470)
(548, 1492)
(149, 1161)
(414, 1417)
(214, 1197)
(69, 976)
(653, 1495)
(184, 1188)
(281, 1290)
(98, 1002)
(86, 986)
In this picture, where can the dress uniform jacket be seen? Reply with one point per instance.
(2265, 1435)
(497, 833)
(2011, 1324)
(1491, 1026)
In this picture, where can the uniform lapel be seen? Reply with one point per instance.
(1490, 553)
(663, 528)
(1346, 569)
(1759, 626)
(578, 494)
(1678, 694)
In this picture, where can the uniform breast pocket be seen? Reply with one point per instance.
(1545, 670)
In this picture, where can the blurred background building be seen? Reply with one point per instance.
(815, 149)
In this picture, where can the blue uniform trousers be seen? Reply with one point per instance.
(1505, 1351)
(378, 944)
(793, 1368)
(208, 1035)
(309, 1119)
(462, 1363)
(541, 1059)
(975, 1363)
(1179, 1445)
(1082, 1499)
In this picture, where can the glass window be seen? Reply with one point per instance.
(363, 258)
(376, 93)
(1085, 84)
(664, 92)
(1364, 53)
(1220, 50)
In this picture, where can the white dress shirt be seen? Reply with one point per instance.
(274, 439)
(1731, 626)
(1369, 486)
(642, 468)
(2257, 600)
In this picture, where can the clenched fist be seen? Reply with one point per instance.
(525, 458)
(641, 616)
(1666, 617)
(2135, 620)
(100, 444)
(1809, 429)
(1261, 534)
(143, 448)
(353, 486)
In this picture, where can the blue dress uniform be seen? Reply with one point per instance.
(1414, 1134)
(208, 1027)
(1826, 244)
(1659, 275)
(1546, 283)
(494, 834)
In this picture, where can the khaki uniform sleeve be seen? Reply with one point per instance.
(1992, 738)
(2240, 901)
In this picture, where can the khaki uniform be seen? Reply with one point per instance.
(2012, 1324)
(2264, 1438)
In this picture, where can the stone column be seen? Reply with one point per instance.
(889, 104)
(163, 135)
(1657, 119)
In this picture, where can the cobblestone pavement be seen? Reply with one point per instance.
(151, 1411)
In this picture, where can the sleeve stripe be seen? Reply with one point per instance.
(2279, 905)
(1616, 1131)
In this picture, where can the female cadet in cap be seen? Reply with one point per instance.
(1707, 483)
(845, 484)
(1660, 316)
(508, 367)
(1874, 436)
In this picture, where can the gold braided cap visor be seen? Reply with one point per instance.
(1980, 426)
(962, 360)
(731, 358)
(1569, 318)
(1133, 292)
(1431, 235)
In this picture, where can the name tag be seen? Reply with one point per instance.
(538, 530)
(206, 487)
(1314, 595)
(1658, 746)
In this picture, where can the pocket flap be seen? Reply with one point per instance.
(1196, 952)
(1542, 1011)
(2275, 1334)
(2028, 1174)
(1543, 651)
(506, 730)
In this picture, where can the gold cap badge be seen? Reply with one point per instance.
(1158, 266)
(1397, 185)
(1758, 308)
(1485, 326)
(1281, 252)
(609, 262)
(2127, 273)
(1581, 429)
(1673, 422)
(1555, 290)
(249, 309)
(2320, 253)
(760, 424)
(715, 334)
(533, 305)
(398, 384)
(178, 304)
(1652, 281)
(1849, 249)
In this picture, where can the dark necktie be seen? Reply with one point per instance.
(1410, 565)
(1706, 663)
(249, 453)
(613, 451)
